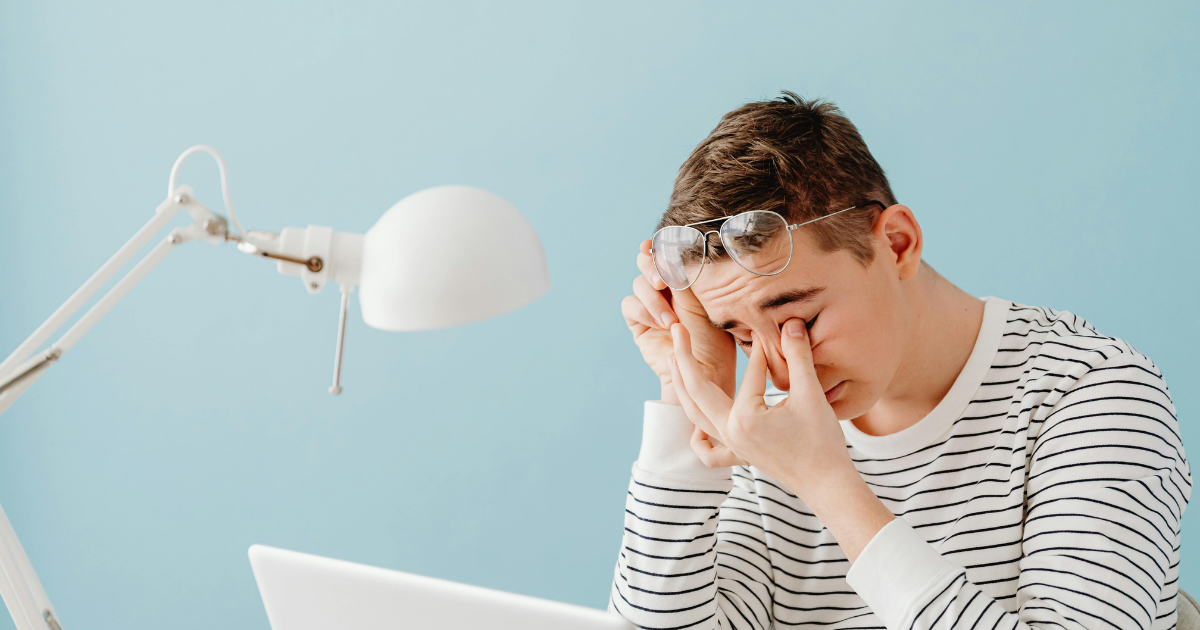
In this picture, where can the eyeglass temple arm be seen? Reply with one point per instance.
(872, 202)
(882, 206)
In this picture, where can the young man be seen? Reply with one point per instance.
(995, 465)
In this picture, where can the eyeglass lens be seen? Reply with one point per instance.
(678, 255)
(758, 241)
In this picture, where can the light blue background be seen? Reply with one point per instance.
(1049, 150)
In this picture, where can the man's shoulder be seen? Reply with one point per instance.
(1045, 336)
(1071, 379)
(1056, 360)
(1044, 354)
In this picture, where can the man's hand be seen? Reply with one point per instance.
(798, 441)
(651, 311)
(798, 437)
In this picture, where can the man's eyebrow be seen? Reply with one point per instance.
(733, 323)
(789, 297)
(783, 299)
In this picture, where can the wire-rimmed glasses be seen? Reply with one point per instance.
(760, 241)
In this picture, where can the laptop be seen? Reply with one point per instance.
(307, 592)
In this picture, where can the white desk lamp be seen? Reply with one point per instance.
(441, 257)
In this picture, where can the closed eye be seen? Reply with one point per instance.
(747, 343)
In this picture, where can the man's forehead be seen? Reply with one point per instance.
(727, 291)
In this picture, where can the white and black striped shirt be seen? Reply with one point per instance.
(1046, 489)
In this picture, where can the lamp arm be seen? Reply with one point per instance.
(17, 373)
(162, 215)
(22, 591)
(29, 372)
(24, 596)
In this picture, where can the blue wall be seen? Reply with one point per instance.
(1050, 151)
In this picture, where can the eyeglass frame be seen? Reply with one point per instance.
(791, 243)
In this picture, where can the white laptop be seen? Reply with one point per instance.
(306, 592)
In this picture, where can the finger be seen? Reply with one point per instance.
(797, 350)
(709, 397)
(645, 263)
(685, 399)
(701, 446)
(754, 381)
(654, 302)
(635, 313)
(712, 455)
(686, 300)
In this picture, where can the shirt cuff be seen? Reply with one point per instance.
(667, 445)
(894, 569)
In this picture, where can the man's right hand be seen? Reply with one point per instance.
(649, 313)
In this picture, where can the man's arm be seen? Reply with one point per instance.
(694, 553)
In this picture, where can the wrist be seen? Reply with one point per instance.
(831, 485)
(668, 395)
(846, 505)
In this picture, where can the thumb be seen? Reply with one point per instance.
(689, 310)
(684, 299)
(797, 351)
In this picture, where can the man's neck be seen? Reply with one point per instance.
(945, 324)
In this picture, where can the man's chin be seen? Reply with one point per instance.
(846, 405)
(843, 411)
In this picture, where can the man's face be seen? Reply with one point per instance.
(859, 317)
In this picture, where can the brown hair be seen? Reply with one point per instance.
(802, 159)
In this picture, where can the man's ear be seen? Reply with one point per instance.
(899, 236)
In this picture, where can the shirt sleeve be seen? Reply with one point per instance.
(1106, 481)
(694, 553)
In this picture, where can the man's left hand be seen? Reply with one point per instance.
(799, 441)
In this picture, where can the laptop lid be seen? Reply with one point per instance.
(306, 592)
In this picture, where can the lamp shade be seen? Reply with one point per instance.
(446, 256)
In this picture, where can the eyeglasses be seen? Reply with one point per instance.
(760, 241)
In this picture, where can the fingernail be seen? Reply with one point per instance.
(672, 328)
(666, 319)
(795, 328)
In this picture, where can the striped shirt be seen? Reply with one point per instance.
(1046, 489)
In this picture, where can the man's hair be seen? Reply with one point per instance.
(800, 158)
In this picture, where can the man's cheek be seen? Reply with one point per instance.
(824, 366)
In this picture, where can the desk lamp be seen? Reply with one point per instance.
(441, 257)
